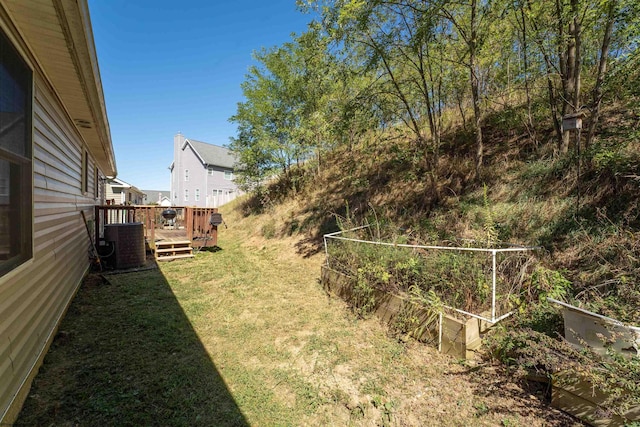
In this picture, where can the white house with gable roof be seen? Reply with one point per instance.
(201, 174)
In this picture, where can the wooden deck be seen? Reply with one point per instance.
(190, 229)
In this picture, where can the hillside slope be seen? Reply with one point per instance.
(587, 227)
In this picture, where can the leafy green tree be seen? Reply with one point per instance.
(289, 110)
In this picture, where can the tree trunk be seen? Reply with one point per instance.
(602, 70)
(475, 90)
(577, 66)
(525, 66)
(571, 76)
(461, 109)
(553, 104)
(551, 90)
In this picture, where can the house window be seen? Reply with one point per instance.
(96, 180)
(210, 170)
(85, 171)
(228, 175)
(186, 174)
(197, 195)
(16, 216)
(186, 195)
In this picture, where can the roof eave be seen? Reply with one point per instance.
(70, 65)
(186, 141)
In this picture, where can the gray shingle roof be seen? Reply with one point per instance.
(213, 154)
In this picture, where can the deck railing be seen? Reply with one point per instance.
(194, 221)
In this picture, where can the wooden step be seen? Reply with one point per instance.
(170, 250)
(172, 257)
(173, 244)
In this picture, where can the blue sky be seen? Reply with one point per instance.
(169, 66)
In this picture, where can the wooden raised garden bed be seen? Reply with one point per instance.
(459, 338)
(578, 397)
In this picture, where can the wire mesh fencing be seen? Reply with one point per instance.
(468, 278)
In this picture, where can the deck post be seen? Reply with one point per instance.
(152, 220)
(188, 214)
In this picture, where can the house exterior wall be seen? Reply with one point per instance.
(220, 190)
(135, 198)
(115, 195)
(35, 295)
(120, 194)
(197, 178)
(204, 188)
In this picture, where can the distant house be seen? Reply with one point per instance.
(156, 197)
(122, 193)
(55, 152)
(201, 174)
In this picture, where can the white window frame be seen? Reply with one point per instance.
(197, 195)
(84, 184)
(186, 175)
(228, 175)
(186, 194)
(20, 218)
(4, 187)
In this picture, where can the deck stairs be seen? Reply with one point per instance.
(170, 250)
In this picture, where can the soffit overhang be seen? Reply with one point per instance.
(59, 36)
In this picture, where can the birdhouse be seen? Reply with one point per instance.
(572, 121)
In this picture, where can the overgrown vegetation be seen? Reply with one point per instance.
(614, 376)
(461, 279)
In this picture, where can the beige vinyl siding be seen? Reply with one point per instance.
(35, 295)
(110, 195)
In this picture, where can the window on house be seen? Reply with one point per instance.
(96, 181)
(186, 195)
(186, 174)
(228, 175)
(197, 195)
(85, 171)
(16, 216)
(210, 170)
